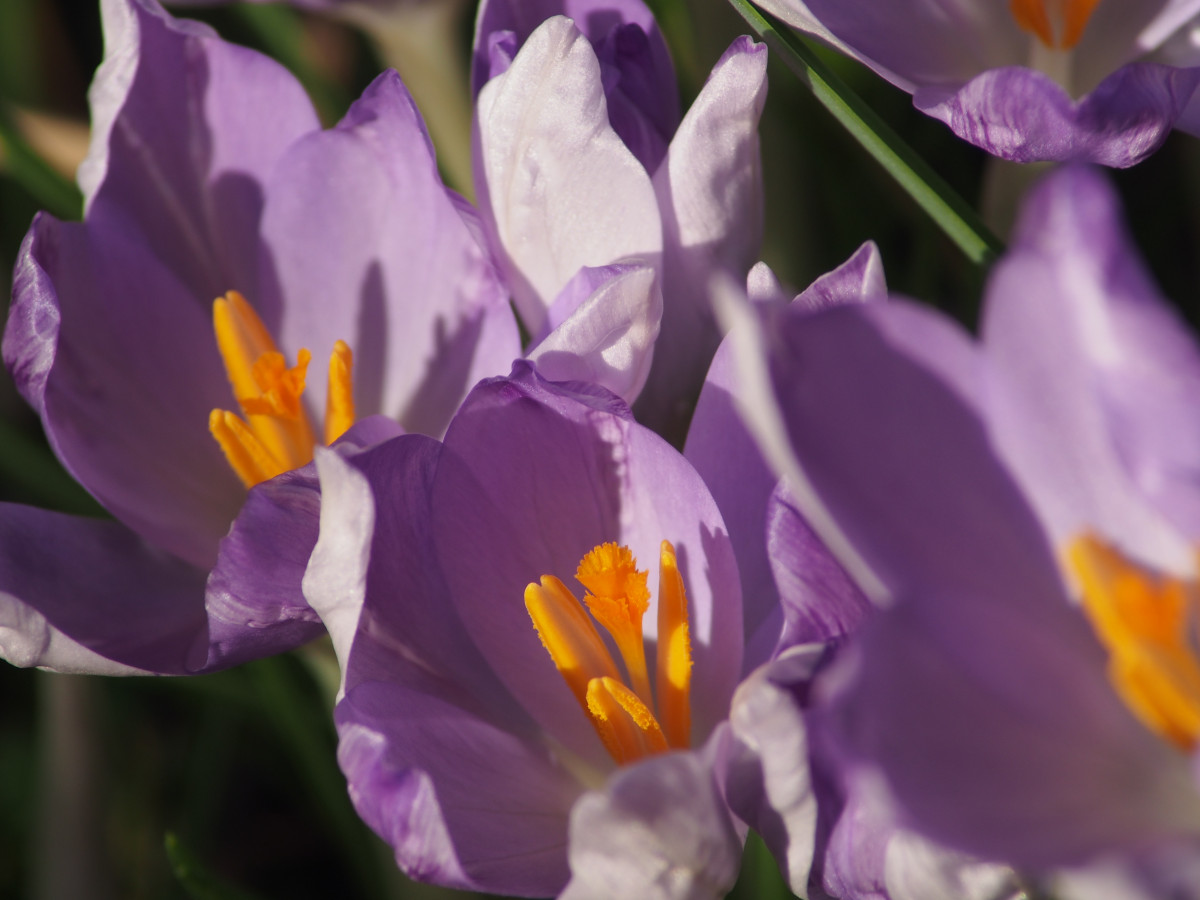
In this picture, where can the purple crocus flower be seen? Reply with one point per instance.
(800, 611)
(1100, 81)
(464, 748)
(1027, 508)
(209, 177)
(581, 160)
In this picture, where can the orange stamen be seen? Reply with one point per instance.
(1057, 23)
(674, 651)
(1148, 623)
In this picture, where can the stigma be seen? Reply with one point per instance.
(632, 719)
(1058, 24)
(1148, 624)
(273, 435)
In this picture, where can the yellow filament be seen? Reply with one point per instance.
(248, 458)
(339, 400)
(618, 598)
(624, 723)
(674, 651)
(1044, 17)
(623, 718)
(276, 435)
(1147, 623)
(568, 635)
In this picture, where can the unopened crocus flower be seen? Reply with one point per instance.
(1101, 81)
(581, 161)
(165, 342)
(1027, 509)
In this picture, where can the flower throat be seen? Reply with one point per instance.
(617, 597)
(1058, 24)
(276, 435)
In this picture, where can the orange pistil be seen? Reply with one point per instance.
(275, 435)
(1148, 623)
(1057, 23)
(618, 598)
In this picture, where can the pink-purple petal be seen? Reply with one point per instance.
(1025, 116)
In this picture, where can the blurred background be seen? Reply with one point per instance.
(226, 786)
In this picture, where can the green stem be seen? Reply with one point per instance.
(941, 202)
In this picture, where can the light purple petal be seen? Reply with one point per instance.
(366, 246)
(710, 193)
(119, 358)
(462, 802)
(254, 600)
(1025, 116)
(557, 188)
(533, 476)
(189, 127)
(769, 785)
(85, 595)
(820, 601)
(658, 830)
(1096, 379)
(639, 80)
(727, 458)
(608, 339)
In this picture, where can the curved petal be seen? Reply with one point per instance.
(725, 454)
(769, 784)
(535, 475)
(119, 358)
(710, 195)
(462, 802)
(366, 246)
(188, 128)
(639, 80)
(923, 42)
(557, 188)
(658, 830)
(1040, 766)
(84, 595)
(1095, 379)
(608, 339)
(254, 600)
(1025, 116)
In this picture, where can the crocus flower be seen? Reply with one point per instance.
(1100, 81)
(800, 611)
(486, 729)
(581, 161)
(1027, 508)
(191, 421)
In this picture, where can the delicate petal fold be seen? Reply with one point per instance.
(367, 247)
(1025, 116)
(608, 338)
(558, 190)
(658, 830)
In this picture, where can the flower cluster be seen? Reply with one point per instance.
(624, 549)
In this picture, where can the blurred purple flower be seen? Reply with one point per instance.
(1028, 509)
(1100, 81)
(582, 161)
(209, 173)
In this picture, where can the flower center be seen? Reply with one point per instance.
(1057, 23)
(617, 597)
(1148, 623)
(275, 436)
